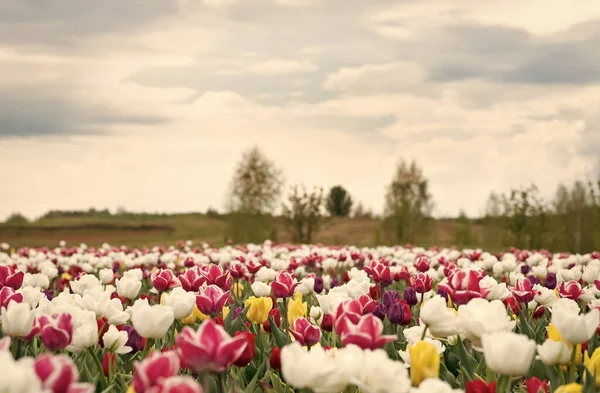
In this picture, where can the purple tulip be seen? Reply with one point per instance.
(550, 281)
(389, 298)
(395, 314)
(318, 288)
(134, 340)
(410, 295)
(380, 311)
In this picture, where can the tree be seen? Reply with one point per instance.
(254, 193)
(256, 184)
(525, 216)
(339, 202)
(303, 213)
(575, 211)
(463, 235)
(17, 218)
(361, 212)
(408, 202)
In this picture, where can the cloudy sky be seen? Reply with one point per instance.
(148, 104)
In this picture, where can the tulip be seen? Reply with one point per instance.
(553, 352)
(570, 290)
(180, 301)
(177, 384)
(83, 283)
(422, 264)
(191, 280)
(9, 277)
(380, 311)
(209, 348)
(480, 316)
(275, 358)
(421, 283)
(570, 388)
(212, 300)
(327, 323)
(164, 279)
(399, 313)
(410, 296)
(296, 309)
(593, 365)
(349, 311)
(134, 340)
(424, 362)
(56, 373)
(575, 328)
(7, 294)
(500, 346)
(274, 313)
(5, 343)
(56, 331)
(152, 321)
(319, 285)
(248, 354)
(106, 276)
(259, 309)
(479, 386)
(305, 333)
(523, 290)
(366, 334)
(215, 275)
(116, 341)
(379, 272)
(128, 287)
(284, 285)
(439, 319)
(462, 286)
(260, 289)
(156, 367)
(550, 281)
(535, 385)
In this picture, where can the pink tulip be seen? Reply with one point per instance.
(7, 294)
(237, 271)
(463, 285)
(209, 348)
(305, 333)
(181, 384)
(211, 300)
(421, 283)
(570, 290)
(367, 303)
(348, 312)
(366, 334)
(379, 272)
(153, 369)
(164, 279)
(523, 290)
(56, 331)
(422, 264)
(9, 277)
(191, 280)
(56, 372)
(216, 276)
(284, 284)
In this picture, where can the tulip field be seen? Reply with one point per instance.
(279, 318)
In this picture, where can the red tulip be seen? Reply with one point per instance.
(7, 294)
(534, 385)
(56, 372)
(56, 331)
(215, 275)
(379, 272)
(275, 358)
(463, 285)
(164, 279)
(177, 384)
(253, 267)
(570, 290)
(479, 386)
(209, 348)
(422, 264)
(212, 299)
(108, 361)
(248, 353)
(421, 283)
(154, 368)
(305, 333)
(523, 290)
(366, 334)
(284, 284)
(327, 323)
(191, 280)
(9, 277)
(367, 303)
(276, 315)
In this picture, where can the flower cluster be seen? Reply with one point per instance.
(277, 318)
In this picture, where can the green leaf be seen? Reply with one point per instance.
(238, 324)
(278, 386)
(250, 388)
(280, 337)
(552, 376)
(467, 360)
(448, 377)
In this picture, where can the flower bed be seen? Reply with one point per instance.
(281, 318)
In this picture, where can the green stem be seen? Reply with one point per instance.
(285, 318)
(98, 365)
(572, 364)
(221, 378)
(424, 332)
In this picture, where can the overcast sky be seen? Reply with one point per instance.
(148, 104)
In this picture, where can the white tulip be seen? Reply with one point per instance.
(554, 352)
(496, 291)
(574, 328)
(106, 276)
(128, 287)
(84, 283)
(17, 319)
(180, 301)
(265, 274)
(19, 376)
(544, 296)
(440, 320)
(152, 321)
(434, 385)
(115, 340)
(508, 353)
(480, 316)
(259, 289)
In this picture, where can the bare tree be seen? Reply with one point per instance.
(303, 213)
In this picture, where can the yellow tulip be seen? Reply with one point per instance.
(569, 388)
(593, 365)
(258, 312)
(66, 276)
(296, 309)
(424, 362)
(238, 290)
(225, 311)
(554, 335)
(199, 314)
(130, 390)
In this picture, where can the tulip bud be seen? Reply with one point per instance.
(327, 323)
(535, 385)
(276, 315)
(134, 340)
(319, 284)
(410, 296)
(108, 362)
(395, 314)
(248, 354)
(275, 359)
(479, 386)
